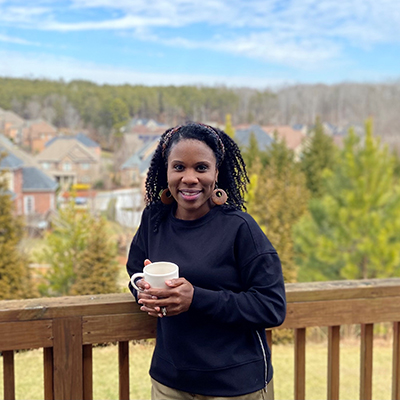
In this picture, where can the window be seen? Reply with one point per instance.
(85, 166)
(29, 205)
(67, 166)
(46, 165)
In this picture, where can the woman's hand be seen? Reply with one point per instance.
(176, 298)
(143, 285)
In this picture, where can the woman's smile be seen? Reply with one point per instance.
(190, 195)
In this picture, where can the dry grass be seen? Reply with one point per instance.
(29, 371)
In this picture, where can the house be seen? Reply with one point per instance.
(136, 124)
(294, 139)
(93, 146)
(32, 190)
(243, 133)
(35, 134)
(134, 170)
(70, 162)
(10, 124)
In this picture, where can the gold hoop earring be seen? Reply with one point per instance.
(219, 197)
(166, 197)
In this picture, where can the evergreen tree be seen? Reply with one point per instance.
(353, 230)
(15, 279)
(98, 268)
(318, 156)
(277, 198)
(229, 129)
(81, 257)
(252, 154)
(65, 245)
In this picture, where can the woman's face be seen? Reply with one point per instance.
(191, 173)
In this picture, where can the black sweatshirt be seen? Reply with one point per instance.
(218, 347)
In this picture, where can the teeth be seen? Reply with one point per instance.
(189, 193)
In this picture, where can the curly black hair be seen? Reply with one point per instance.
(232, 176)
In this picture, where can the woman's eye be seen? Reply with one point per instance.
(178, 167)
(202, 168)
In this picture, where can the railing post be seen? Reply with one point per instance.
(367, 336)
(300, 364)
(48, 369)
(67, 348)
(333, 362)
(87, 372)
(123, 367)
(9, 375)
(396, 362)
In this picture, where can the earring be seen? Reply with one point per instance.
(219, 197)
(166, 197)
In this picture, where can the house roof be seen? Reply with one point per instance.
(243, 134)
(36, 180)
(81, 137)
(63, 147)
(142, 158)
(32, 177)
(10, 161)
(10, 116)
(11, 148)
(292, 137)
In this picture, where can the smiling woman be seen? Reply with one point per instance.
(212, 319)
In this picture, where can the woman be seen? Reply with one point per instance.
(211, 321)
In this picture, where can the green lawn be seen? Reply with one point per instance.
(29, 372)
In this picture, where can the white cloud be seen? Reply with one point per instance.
(15, 40)
(42, 66)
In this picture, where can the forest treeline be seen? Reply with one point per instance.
(100, 108)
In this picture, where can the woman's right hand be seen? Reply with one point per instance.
(142, 284)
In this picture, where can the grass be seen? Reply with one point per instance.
(29, 371)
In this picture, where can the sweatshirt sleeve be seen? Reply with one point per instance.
(262, 300)
(137, 254)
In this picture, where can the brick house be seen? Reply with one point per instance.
(295, 139)
(33, 191)
(70, 161)
(134, 170)
(35, 134)
(10, 124)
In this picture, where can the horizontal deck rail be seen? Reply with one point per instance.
(67, 327)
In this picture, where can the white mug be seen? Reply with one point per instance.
(155, 274)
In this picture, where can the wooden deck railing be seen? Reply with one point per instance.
(66, 328)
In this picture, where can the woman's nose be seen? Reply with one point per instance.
(189, 177)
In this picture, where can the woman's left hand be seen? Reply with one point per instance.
(176, 299)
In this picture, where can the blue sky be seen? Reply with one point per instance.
(254, 43)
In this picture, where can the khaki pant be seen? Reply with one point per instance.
(161, 392)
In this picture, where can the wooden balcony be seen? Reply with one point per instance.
(67, 327)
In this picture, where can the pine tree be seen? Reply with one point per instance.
(353, 230)
(98, 268)
(229, 129)
(81, 257)
(277, 198)
(15, 279)
(320, 154)
(65, 245)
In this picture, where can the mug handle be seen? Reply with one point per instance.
(134, 278)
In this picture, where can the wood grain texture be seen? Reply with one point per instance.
(68, 368)
(8, 375)
(300, 364)
(367, 337)
(333, 362)
(396, 362)
(25, 335)
(123, 368)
